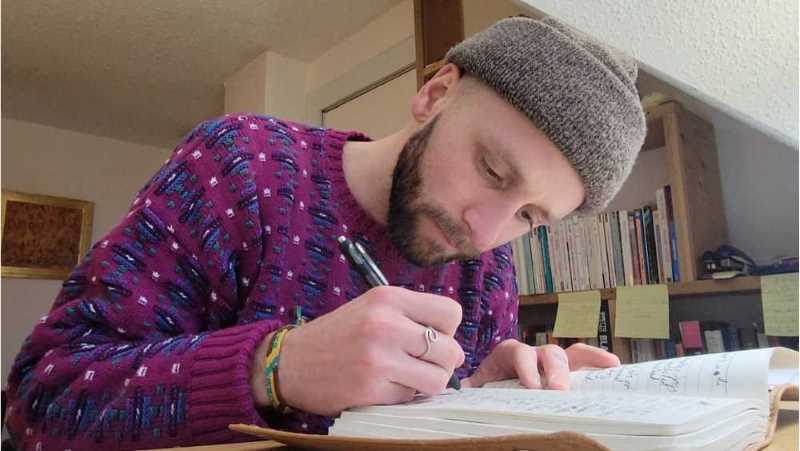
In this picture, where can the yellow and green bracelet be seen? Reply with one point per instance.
(271, 366)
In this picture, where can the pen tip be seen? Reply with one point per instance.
(341, 239)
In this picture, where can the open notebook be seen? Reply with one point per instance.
(711, 402)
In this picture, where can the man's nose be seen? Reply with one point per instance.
(488, 221)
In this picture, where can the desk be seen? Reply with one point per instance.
(785, 436)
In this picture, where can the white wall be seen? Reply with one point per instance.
(46, 160)
(735, 64)
(739, 56)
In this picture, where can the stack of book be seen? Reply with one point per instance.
(705, 337)
(605, 251)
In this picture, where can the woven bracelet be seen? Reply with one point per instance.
(271, 365)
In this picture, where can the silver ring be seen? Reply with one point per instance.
(431, 336)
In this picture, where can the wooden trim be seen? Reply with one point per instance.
(438, 25)
(419, 43)
(432, 68)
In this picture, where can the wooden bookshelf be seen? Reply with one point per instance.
(751, 284)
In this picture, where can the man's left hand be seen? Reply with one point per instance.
(545, 366)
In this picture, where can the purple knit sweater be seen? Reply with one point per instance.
(149, 342)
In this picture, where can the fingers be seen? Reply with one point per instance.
(393, 393)
(444, 351)
(439, 312)
(525, 361)
(584, 356)
(425, 377)
(555, 366)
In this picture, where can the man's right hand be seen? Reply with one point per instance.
(369, 351)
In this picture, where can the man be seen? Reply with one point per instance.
(161, 336)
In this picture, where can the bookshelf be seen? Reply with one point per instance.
(751, 284)
(685, 148)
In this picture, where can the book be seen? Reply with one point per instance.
(604, 328)
(642, 250)
(627, 254)
(665, 241)
(691, 337)
(725, 401)
(714, 341)
(673, 237)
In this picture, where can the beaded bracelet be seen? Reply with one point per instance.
(271, 365)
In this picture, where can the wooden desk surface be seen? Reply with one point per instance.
(785, 436)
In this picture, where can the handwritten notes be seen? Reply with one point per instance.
(642, 312)
(577, 314)
(779, 299)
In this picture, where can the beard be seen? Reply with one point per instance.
(407, 208)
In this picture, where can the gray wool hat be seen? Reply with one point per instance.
(579, 92)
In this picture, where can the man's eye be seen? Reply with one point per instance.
(492, 172)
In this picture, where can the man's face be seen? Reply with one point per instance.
(475, 176)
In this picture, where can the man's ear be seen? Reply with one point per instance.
(435, 94)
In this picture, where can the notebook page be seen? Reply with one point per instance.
(741, 374)
(587, 412)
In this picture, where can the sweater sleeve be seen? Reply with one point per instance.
(143, 347)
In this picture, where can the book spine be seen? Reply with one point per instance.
(597, 270)
(539, 261)
(637, 274)
(565, 273)
(572, 253)
(544, 233)
(649, 243)
(616, 245)
(714, 342)
(526, 255)
(612, 276)
(557, 255)
(604, 328)
(642, 248)
(647, 222)
(666, 245)
(657, 239)
(673, 237)
(625, 238)
(603, 251)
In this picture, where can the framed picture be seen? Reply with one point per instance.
(43, 237)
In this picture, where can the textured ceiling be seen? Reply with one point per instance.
(146, 71)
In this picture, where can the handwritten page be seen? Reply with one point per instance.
(742, 374)
(779, 300)
(577, 314)
(642, 312)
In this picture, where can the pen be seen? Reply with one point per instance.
(365, 265)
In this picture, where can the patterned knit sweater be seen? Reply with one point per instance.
(149, 342)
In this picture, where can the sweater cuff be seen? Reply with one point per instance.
(220, 392)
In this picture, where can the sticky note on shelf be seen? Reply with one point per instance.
(642, 312)
(577, 314)
(779, 301)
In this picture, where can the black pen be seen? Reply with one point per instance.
(366, 266)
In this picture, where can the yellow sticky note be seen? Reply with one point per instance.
(642, 312)
(779, 299)
(577, 314)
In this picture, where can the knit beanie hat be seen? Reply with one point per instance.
(579, 92)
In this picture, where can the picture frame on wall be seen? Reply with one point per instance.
(43, 237)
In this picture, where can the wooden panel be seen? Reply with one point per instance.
(438, 25)
(655, 134)
(706, 215)
(680, 192)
